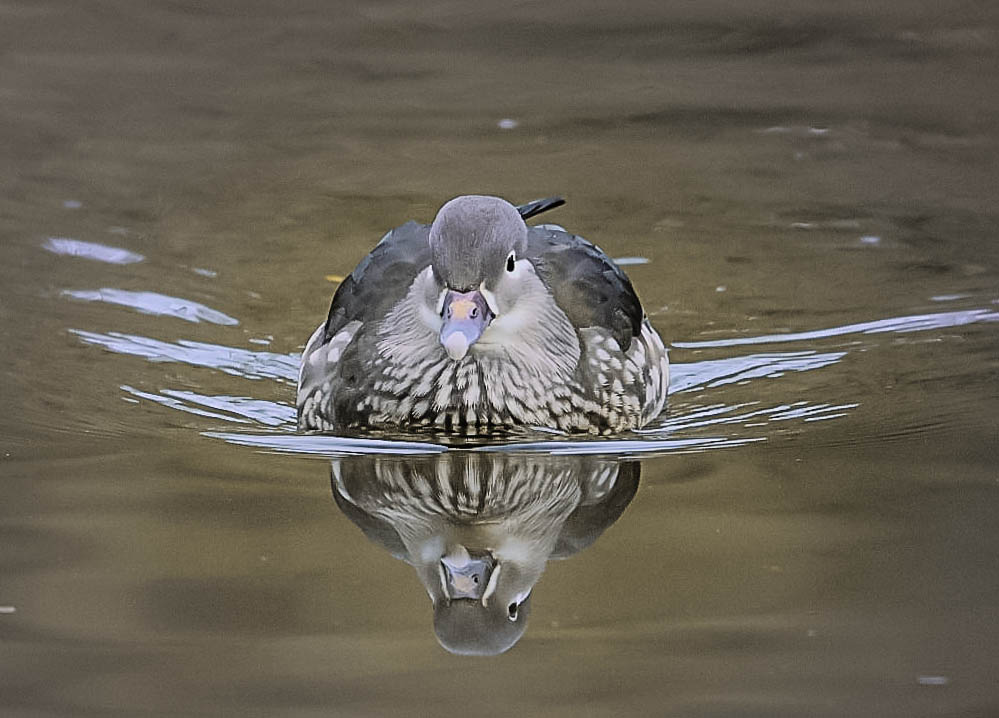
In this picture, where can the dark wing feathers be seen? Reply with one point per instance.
(381, 279)
(586, 284)
(593, 516)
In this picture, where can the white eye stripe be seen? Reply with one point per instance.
(490, 299)
(491, 586)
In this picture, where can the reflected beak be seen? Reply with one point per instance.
(466, 315)
(468, 576)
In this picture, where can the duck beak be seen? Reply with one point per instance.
(466, 315)
(467, 575)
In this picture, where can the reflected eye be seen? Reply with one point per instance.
(512, 611)
(510, 260)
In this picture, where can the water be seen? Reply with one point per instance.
(804, 198)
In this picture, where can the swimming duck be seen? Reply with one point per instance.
(478, 323)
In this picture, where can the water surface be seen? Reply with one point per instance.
(805, 200)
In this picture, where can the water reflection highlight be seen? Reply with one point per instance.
(154, 303)
(91, 250)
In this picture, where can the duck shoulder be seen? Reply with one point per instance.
(381, 279)
(588, 286)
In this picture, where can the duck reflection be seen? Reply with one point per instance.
(479, 527)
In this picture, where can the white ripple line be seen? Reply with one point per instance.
(915, 323)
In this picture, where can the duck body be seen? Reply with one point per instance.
(478, 323)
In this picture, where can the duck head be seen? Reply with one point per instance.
(477, 248)
(482, 600)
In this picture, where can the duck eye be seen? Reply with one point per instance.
(510, 262)
(512, 611)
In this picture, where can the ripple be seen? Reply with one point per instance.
(161, 305)
(239, 409)
(666, 437)
(621, 447)
(321, 445)
(719, 372)
(686, 428)
(238, 362)
(91, 250)
(914, 323)
(332, 446)
(719, 414)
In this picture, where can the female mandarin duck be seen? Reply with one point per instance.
(480, 323)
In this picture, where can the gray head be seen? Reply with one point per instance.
(466, 628)
(472, 238)
(481, 604)
(476, 245)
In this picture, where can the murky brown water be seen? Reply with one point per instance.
(814, 528)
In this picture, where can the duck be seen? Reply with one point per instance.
(478, 323)
(479, 527)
